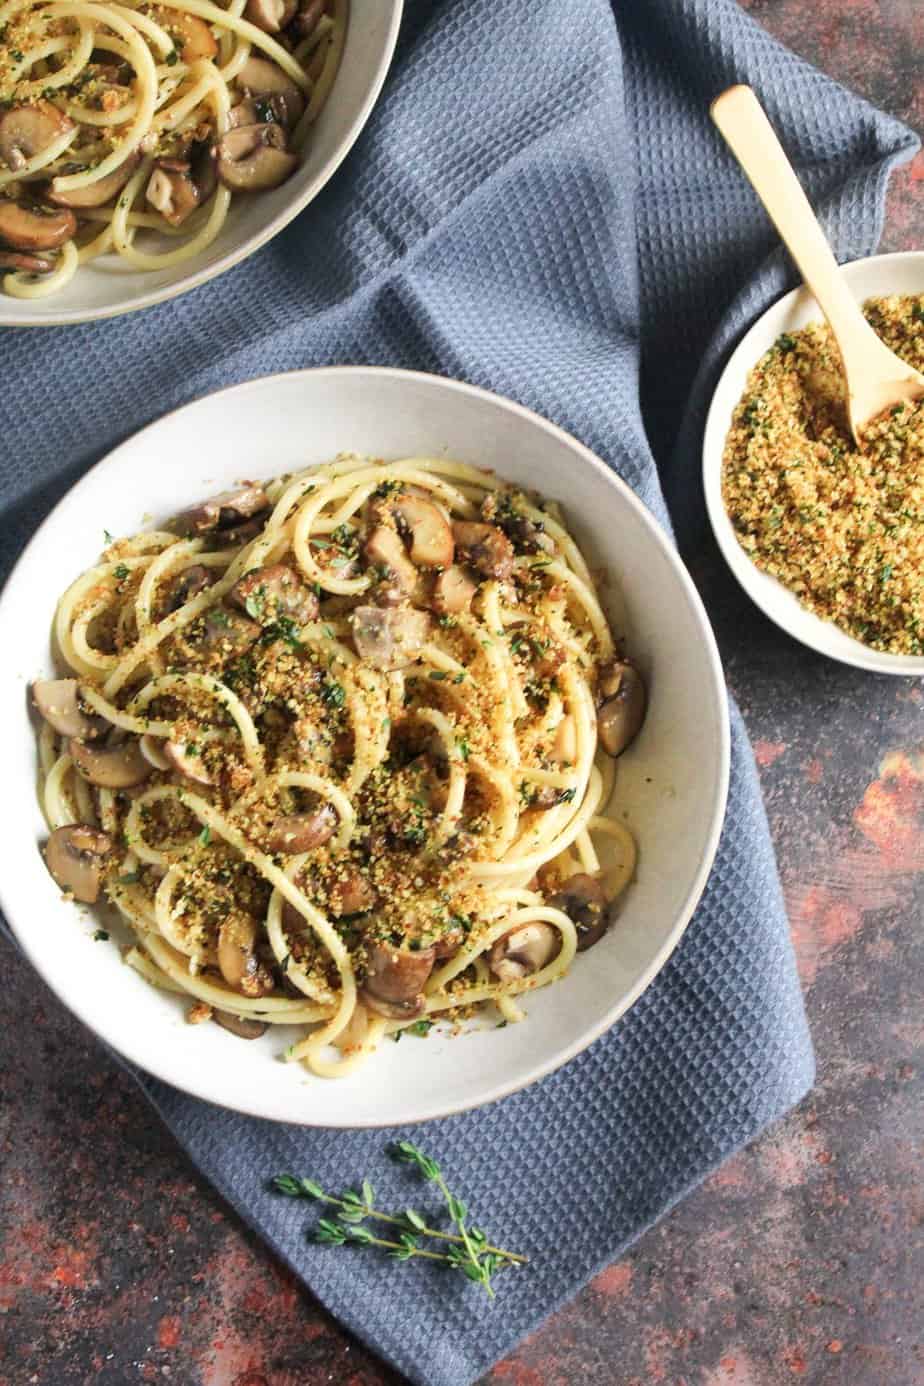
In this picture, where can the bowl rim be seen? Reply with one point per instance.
(745, 571)
(72, 317)
(78, 1005)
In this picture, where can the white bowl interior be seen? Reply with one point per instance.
(108, 286)
(874, 277)
(671, 784)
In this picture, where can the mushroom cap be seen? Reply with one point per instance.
(182, 757)
(308, 17)
(94, 194)
(260, 77)
(34, 228)
(238, 1025)
(252, 158)
(523, 951)
(270, 15)
(428, 530)
(58, 702)
(237, 958)
(223, 511)
(620, 717)
(274, 591)
(24, 264)
(188, 584)
(389, 638)
(485, 548)
(302, 832)
(172, 191)
(27, 129)
(352, 895)
(398, 576)
(196, 38)
(396, 976)
(76, 856)
(110, 767)
(583, 900)
(453, 591)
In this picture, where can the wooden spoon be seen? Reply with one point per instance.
(876, 377)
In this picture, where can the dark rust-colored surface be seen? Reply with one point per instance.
(801, 1260)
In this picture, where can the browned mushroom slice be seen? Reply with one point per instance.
(449, 944)
(523, 951)
(302, 832)
(453, 591)
(308, 17)
(621, 715)
(110, 767)
(77, 856)
(397, 574)
(172, 191)
(583, 900)
(34, 228)
(259, 77)
(429, 534)
(389, 638)
(187, 585)
(278, 590)
(27, 130)
(94, 194)
(353, 895)
(25, 264)
(526, 534)
(270, 15)
(222, 511)
(395, 979)
(237, 957)
(186, 758)
(58, 701)
(484, 547)
(196, 39)
(237, 1025)
(252, 158)
(226, 633)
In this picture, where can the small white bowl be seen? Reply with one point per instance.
(671, 783)
(875, 277)
(107, 287)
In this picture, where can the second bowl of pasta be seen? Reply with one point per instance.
(373, 738)
(146, 150)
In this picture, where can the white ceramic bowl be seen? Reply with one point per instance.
(672, 783)
(874, 277)
(108, 287)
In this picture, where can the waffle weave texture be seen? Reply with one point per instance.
(538, 205)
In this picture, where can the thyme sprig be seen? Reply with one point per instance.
(467, 1250)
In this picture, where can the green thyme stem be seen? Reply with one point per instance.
(425, 1231)
(397, 1246)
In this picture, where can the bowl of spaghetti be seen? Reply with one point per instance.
(144, 150)
(395, 744)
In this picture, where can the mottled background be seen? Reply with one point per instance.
(801, 1260)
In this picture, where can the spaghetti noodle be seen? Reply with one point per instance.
(120, 119)
(341, 748)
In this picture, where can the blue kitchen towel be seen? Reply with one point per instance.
(539, 205)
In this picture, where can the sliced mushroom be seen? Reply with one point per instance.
(453, 591)
(429, 534)
(196, 38)
(172, 191)
(77, 856)
(187, 585)
(252, 158)
(583, 900)
(449, 944)
(27, 130)
(25, 264)
(564, 747)
(260, 77)
(237, 957)
(521, 952)
(398, 576)
(308, 17)
(237, 536)
(187, 759)
(226, 633)
(620, 717)
(152, 748)
(110, 767)
(278, 590)
(237, 1025)
(484, 547)
(94, 194)
(525, 533)
(395, 979)
(353, 895)
(302, 832)
(34, 228)
(58, 701)
(270, 15)
(389, 638)
(224, 510)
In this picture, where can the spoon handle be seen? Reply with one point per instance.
(753, 141)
